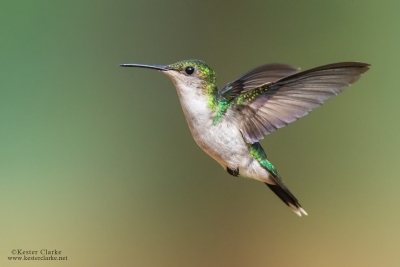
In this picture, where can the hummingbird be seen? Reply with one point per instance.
(229, 123)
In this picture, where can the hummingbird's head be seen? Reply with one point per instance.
(192, 73)
(194, 80)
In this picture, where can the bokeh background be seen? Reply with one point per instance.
(97, 161)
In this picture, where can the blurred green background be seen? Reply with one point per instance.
(97, 161)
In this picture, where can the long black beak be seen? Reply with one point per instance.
(155, 67)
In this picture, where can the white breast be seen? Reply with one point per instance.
(223, 142)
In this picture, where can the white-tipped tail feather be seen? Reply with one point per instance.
(298, 210)
(287, 197)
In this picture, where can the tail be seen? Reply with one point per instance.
(287, 197)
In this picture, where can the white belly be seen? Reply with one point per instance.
(223, 141)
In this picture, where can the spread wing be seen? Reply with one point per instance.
(255, 78)
(268, 106)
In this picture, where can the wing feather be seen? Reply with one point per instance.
(256, 77)
(269, 101)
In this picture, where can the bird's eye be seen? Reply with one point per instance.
(189, 70)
